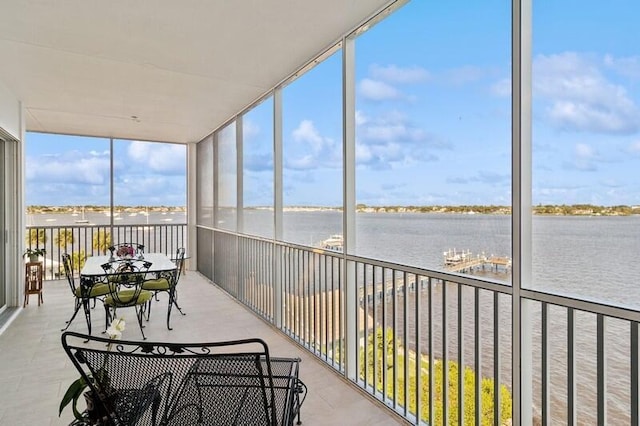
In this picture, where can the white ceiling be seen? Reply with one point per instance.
(182, 67)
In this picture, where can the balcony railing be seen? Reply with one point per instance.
(406, 324)
(82, 241)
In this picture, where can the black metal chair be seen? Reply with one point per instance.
(126, 278)
(221, 383)
(85, 293)
(167, 282)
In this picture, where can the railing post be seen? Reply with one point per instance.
(277, 285)
(349, 203)
(522, 364)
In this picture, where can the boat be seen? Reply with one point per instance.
(453, 257)
(335, 242)
(83, 220)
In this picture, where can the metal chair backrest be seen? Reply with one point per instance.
(179, 261)
(182, 383)
(68, 271)
(127, 273)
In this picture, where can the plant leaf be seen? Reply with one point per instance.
(72, 394)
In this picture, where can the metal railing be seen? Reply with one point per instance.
(82, 241)
(436, 347)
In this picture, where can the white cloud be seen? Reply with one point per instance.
(361, 118)
(634, 147)
(396, 74)
(584, 151)
(250, 129)
(584, 159)
(307, 132)
(159, 157)
(314, 150)
(377, 90)
(390, 140)
(580, 97)
(502, 88)
(628, 67)
(71, 167)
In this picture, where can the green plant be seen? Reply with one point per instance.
(76, 388)
(34, 252)
(385, 343)
(64, 238)
(102, 241)
(78, 259)
(36, 237)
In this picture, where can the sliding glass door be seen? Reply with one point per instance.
(3, 228)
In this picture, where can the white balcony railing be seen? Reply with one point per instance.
(411, 322)
(82, 241)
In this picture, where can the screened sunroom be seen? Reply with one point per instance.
(435, 202)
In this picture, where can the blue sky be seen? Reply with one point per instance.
(71, 170)
(433, 115)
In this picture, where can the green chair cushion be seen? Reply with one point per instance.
(125, 298)
(96, 291)
(157, 284)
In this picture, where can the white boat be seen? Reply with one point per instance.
(334, 242)
(453, 257)
(83, 220)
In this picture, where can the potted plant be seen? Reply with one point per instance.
(94, 412)
(34, 253)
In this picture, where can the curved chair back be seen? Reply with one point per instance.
(126, 277)
(179, 261)
(232, 382)
(68, 271)
(130, 274)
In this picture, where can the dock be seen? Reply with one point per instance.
(466, 262)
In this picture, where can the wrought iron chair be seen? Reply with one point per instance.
(87, 291)
(124, 389)
(221, 383)
(127, 277)
(167, 282)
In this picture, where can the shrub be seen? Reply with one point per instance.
(385, 343)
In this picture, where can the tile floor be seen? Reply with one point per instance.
(35, 371)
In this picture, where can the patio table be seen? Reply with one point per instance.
(92, 268)
(93, 273)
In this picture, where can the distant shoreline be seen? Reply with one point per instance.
(543, 210)
(102, 209)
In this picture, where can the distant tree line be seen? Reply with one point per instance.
(540, 209)
(96, 208)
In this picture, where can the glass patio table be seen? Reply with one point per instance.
(92, 268)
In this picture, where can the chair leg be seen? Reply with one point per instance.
(169, 312)
(149, 306)
(75, 312)
(107, 317)
(175, 302)
(172, 301)
(86, 305)
(140, 315)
